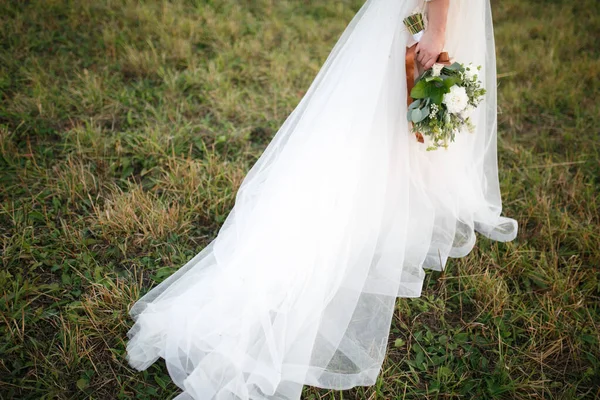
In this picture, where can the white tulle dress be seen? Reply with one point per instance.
(338, 217)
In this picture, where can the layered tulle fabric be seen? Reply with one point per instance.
(338, 217)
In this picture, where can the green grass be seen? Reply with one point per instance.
(126, 127)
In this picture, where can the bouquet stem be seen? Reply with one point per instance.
(415, 25)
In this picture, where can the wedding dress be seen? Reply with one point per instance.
(340, 215)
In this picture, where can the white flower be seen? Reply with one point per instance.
(434, 110)
(456, 100)
(470, 72)
(436, 70)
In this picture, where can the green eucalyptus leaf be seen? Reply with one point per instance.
(414, 104)
(424, 114)
(416, 115)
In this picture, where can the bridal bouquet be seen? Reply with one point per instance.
(444, 97)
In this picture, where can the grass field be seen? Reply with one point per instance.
(126, 127)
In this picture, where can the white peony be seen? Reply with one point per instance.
(436, 69)
(457, 100)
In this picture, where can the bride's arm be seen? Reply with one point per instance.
(432, 43)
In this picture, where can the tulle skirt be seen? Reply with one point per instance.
(340, 215)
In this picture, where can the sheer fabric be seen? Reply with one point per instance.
(340, 215)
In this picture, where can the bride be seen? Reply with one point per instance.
(340, 216)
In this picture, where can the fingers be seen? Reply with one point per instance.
(426, 59)
(429, 63)
(423, 56)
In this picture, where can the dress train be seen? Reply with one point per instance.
(338, 217)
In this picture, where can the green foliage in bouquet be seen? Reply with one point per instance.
(445, 96)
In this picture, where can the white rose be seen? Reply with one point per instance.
(457, 100)
(436, 70)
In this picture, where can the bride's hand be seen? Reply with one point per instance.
(429, 48)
